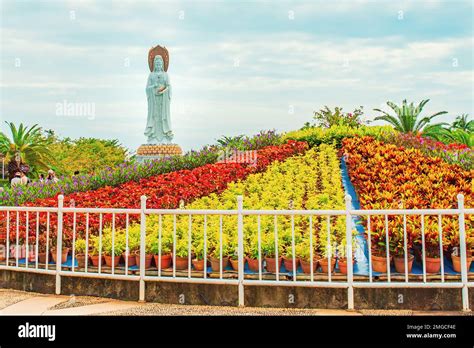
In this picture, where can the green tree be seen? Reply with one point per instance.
(407, 117)
(34, 148)
(86, 155)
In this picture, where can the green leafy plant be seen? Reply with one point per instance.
(34, 148)
(327, 118)
(407, 117)
(80, 246)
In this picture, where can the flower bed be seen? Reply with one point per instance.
(454, 153)
(335, 134)
(163, 191)
(310, 181)
(387, 176)
(127, 172)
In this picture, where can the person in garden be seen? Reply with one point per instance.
(16, 180)
(24, 179)
(41, 178)
(51, 177)
(17, 165)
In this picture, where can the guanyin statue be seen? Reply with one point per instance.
(158, 126)
(158, 92)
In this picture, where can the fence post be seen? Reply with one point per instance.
(350, 288)
(240, 228)
(59, 243)
(142, 248)
(462, 248)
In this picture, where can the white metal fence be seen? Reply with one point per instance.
(20, 256)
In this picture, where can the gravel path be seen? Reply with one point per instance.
(79, 301)
(9, 297)
(188, 310)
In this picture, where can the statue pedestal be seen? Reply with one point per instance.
(149, 152)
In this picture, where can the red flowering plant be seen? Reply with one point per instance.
(163, 191)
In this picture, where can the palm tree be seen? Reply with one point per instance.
(33, 147)
(461, 122)
(460, 131)
(406, 119)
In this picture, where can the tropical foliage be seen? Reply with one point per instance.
(327, 118)
(34, 148)
(390, 177)
(407, 116)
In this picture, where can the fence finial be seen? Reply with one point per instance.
(460, 197)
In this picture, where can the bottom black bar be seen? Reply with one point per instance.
(241, 330)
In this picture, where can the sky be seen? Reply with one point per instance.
(236, 67)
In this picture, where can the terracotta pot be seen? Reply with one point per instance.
(253, 264)
(342, 263)
(198, 264)
(42, 257)
(95, 260)
(234, 264)
(108, 260)
(379, 264)
(181, 263)
(399, 262)
(165, 261)
(131, 259)
(215, 264)
(148, 258)
(81, 260)
(272, 264)
(306, 266)
(457, 263)
(433, 264)
(288, 263)
(64, 253)
(324, 264)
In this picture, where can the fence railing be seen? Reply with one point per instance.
(321, 248)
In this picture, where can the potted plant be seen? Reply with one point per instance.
(182, 254)
(64, 251)
(288, 258)
(166, 245)
(251, 254)
(148, 252)
(198, 251)
(80, 249)
(216, 263)
(378, 252)
(94, 250)
(112, 251)
(234, 255)
(432, 252)
(304, 254)
(42, 256)
(133, 245)
(398, 250)
(326, 255)
(268, 249)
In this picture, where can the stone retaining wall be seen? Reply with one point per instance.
(255, 296)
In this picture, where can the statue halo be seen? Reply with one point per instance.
(158, 50)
